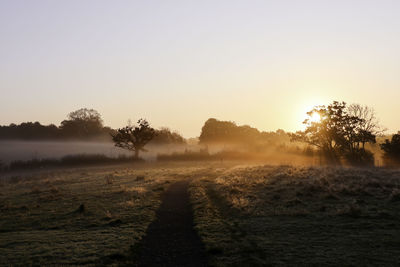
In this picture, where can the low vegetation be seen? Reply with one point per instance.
(87, 216)
(300, 156)
(284, 215)
(246, 215)
(391, 150)
(68, 161)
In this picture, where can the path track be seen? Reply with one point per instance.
(171, 240)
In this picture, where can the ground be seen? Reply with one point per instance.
(171, 239)
(299, 216)
(233, 214)
(81, 216)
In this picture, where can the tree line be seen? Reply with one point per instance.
(340, 135)
(342, 132)
(83, 124)
(227, 132)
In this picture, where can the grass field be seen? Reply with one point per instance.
(309, 216)
(246, 215)
(80, 216)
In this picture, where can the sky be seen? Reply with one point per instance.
(178, 63)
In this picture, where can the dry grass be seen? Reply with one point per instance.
(246, 215)
(80, 216)
(288, 215)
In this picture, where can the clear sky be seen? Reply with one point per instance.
(178, 63)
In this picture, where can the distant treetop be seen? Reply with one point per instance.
(227, 132)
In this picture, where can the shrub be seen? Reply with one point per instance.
(360, 157)
(68, 161)
(391, 150)
(187, 155)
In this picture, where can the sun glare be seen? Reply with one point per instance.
(315, 117)
(308, 105)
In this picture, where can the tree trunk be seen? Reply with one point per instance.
(136, 154)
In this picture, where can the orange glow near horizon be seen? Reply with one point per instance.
(178, 64)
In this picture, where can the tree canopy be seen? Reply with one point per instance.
(165, 136)
(227, 132)
(391, 149)
(29, 131)
(134, 137)
(338, 134)
(83, 123)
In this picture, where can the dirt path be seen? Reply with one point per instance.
(171, 240)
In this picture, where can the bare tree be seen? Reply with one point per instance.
(369, 123)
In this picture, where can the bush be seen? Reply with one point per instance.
(32, 164)
(360, 157)
(391, 150)
(186, 156)
(204, 155)
(69, 161)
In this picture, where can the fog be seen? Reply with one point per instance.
(27, 150)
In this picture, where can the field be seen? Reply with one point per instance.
(80, 216)
(285, 215)
(245, 215)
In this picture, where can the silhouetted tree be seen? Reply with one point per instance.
(85, 114)
(134, 138)
(218, 131)
(82, 123)
(166, 136)
(29, 131)
(392, 150)
(338, 134)
(215, 131)
(369, 124)
(244, 137)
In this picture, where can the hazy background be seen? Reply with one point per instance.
(178, 63)
(27, 150)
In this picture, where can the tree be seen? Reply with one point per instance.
(338, 134)
(369, 123)
(165, 136)
(82, 123)
(134, 138)
(85, 114)
(29, 131)
(215, 131)
(392, 149)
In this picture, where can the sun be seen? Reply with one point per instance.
(315, 117)
(307, 111)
